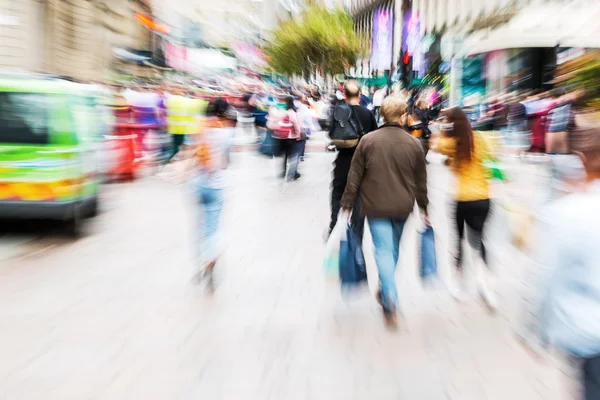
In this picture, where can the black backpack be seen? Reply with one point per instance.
(346, 130)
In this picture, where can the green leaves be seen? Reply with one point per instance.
(320, 40)
(582, 73)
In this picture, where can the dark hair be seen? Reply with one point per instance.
(217, 108)
(289, 103)
(462, 132)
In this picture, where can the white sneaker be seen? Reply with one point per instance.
(486, 287)
(458, 288)
(432, 284)
(460, 295)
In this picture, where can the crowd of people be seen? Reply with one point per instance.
(380, 177)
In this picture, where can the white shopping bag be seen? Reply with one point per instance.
(331, 262)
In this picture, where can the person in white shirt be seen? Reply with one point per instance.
(378, 97)
(306, 120)
(567, 313)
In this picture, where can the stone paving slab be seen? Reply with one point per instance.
(116, 316)
(12, 246)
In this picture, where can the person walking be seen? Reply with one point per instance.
(364, 119)
(378, 97)
(389, 173)
(287, 130)
(466, 151)
(211, 145)
(182, 112)
(306, 121)
(567, 313)
(417, 124)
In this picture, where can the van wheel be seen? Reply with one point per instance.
(94, 208)
(75, 224)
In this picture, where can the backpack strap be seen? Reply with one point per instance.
(353, 116)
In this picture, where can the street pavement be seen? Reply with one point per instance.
(116, 314)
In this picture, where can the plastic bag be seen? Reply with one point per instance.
(521, 223)
(353, 268)
(331, 263)
(428, 256)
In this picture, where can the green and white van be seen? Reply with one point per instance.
(50, 132)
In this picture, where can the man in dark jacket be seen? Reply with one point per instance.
(388, 170)
(365, 119)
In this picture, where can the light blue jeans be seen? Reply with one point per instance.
(211, 205)
(386, 235)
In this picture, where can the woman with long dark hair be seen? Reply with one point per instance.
(466, 151)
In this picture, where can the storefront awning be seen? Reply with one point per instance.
(134, 56)
(584, 32)
(531, 27)
(541, 26)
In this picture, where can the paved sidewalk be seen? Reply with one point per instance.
(116, 316)
(12, 246)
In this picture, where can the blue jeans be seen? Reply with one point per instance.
(211, 202)
(386, 235)
(291, 153)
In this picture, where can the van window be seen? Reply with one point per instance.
(23, 118)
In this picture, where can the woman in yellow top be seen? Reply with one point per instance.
(466, 151)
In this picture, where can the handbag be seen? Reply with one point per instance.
(331, 261)
(353, 268)
(428, 255)
(270, 146)
(490, 161)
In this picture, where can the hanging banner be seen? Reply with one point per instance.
(176, 57)
(383, 31)
(249, 54)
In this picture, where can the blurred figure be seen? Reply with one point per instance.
(435, 104)
(499, 115)
(182, 114)
(568, 313)
(161, 119)
(286, 129)
(211, 155)
(566, 168)
(144, 104)
(417, 124)
(518, 135)
(537, 107)
(306, 122)
(365, 121)
(466, 151)
(392, 156)
(423, 112)
(558, 120)
(364, 100)
(378, 97)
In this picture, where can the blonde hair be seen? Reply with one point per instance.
(393, 108)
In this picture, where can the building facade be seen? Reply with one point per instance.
(76, 38)
(509, 43)
(22, 35)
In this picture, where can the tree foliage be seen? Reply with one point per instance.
(319, 41)
(582, 73)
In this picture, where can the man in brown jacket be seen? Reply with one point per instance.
(388, 169)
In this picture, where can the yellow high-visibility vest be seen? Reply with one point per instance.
(183, 114)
